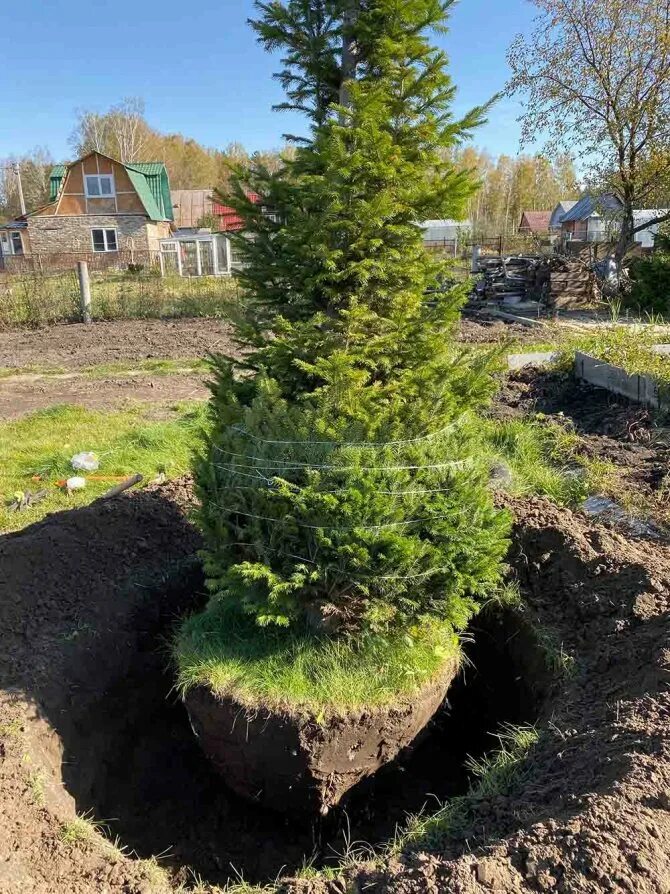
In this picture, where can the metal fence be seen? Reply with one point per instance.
(98, 261)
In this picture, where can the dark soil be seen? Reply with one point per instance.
(481, 328)
(88, 722)
(88, 599)
(299, 764)
(20, 396)
(75, 345)
(592, 813)
(72, 346)
(636, 440)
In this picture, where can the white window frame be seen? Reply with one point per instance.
(12, 234)
(104, 231)
(99, 178)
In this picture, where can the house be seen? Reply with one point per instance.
(559, 213)
(592, 219)
(597, 219)
(97, 206)
(534, 223)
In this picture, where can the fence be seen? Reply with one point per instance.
(98, 261)
(34, 298)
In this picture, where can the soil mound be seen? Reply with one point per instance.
(594, 811)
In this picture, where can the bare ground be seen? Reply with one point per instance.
(20, 395)
(75, 345)
(591, 813)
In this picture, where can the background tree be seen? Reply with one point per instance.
(35, 169)
(596, 79)
(339, 481)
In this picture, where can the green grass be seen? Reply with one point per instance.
(79, 830)
(36, 299)
(628, 347)
(294, 669)
(539, 457)
(127, 442)
(498, 773)
(104, 370)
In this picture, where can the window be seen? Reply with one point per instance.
(104, 240)
(17, 245)
(99, 186)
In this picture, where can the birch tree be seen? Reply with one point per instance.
(595, 78)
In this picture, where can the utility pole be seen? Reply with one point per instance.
(17, 171)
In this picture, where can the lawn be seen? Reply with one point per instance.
(35, 452)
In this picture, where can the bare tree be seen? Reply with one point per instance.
(595, 75)
(129, 129)
(122, 132)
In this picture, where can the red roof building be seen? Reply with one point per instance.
(535, 222)
(192, 205)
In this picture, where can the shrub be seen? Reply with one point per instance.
(340, 489)
(650, 284)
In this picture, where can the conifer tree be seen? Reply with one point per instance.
(338, 486)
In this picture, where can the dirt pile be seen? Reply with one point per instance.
(593, 814)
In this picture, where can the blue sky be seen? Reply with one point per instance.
(199, 70)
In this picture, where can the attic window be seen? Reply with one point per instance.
(99, 186)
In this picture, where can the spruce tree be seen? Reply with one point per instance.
(338, 486)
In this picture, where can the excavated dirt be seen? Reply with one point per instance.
(481, 328)
(634, 439)
(75, 345)
(593, 811)
(87, 722)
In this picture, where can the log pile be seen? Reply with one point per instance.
(572, 284)
(557, 282)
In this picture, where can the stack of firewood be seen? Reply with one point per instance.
(572, 284)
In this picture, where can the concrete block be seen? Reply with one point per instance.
(639, 388)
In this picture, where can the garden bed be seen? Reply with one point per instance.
(85, 643)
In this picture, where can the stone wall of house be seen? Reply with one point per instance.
(155, 232)
(55, 235)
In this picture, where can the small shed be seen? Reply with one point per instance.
(535, 223)
(439, 232)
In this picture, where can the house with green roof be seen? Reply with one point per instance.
(98, 206)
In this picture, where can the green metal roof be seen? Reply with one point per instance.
(150, 179)
(55, 180)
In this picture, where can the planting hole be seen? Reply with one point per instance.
(133, 762)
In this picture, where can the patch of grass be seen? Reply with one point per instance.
(227, 652)
(628, 347)
(37, 783)
(155, 367)
(498, 773)
(154, 874)
(7, 372)
(559, 662)
(13, 729)
(79, 830)
(36, 299)
(533, 456)
(43, 443)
